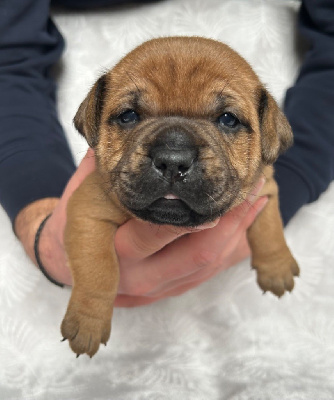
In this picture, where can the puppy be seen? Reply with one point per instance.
(182, 130)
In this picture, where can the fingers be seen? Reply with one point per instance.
(134, 246)
(176, 288)
(137, 240)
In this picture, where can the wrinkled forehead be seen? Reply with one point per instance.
(183, 78)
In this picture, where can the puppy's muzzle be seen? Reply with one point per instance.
(173, 155)
(174, 176)
(175, 183)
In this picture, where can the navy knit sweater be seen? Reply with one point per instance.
(35, 159)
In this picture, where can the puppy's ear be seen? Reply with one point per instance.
(88, 117)
(276, 133)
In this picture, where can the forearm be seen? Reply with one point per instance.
(35, 160)
(29, 219)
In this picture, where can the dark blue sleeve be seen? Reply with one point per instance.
(35, 159)
(306, 170)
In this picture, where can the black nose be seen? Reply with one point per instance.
(173, 164)
(173, 155)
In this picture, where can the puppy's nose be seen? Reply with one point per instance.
(173, 164)
(173, 156)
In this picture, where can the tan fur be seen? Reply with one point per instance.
(173, 83)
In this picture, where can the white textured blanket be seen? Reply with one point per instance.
(223, 340)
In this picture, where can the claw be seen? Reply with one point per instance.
(77, 355)
(63, 339)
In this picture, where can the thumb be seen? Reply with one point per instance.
(86, 166)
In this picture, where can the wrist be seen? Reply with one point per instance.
(50, 241)
(28, 221)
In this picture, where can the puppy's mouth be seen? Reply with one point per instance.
(171, 210)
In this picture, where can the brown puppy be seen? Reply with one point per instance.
(182, 130)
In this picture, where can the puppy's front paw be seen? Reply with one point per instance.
(86, 328)
(276, 274)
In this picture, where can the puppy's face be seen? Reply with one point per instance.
(182, 128)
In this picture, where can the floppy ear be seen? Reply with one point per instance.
(88, 117)
(276, 133)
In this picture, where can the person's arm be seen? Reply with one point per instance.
(35, 160)
(306, 170)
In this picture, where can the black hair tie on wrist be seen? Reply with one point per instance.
(38, 259)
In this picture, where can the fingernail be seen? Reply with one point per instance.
(208, 225)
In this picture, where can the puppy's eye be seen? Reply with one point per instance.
(229, 120)
(128, 117)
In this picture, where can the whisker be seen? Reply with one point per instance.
(211, 198)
